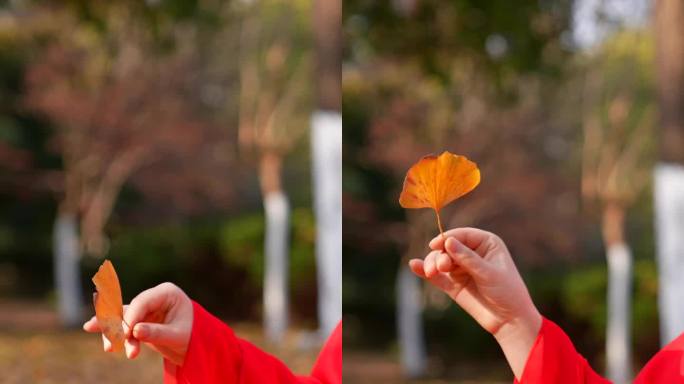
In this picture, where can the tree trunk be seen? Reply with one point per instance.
(410, 323)
(327, 25)
(102, 201)
(326, 146)
(619, 259)
(669, 172)
(413, 353)
(66, 253)
(618, 332)
(276, 247)
(326, 149)
(668, 193)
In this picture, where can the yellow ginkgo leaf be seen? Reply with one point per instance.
(109, 305)
(435, 181)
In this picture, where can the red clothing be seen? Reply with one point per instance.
(553, 359)
(216, 355)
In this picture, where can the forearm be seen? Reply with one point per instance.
(517, 337)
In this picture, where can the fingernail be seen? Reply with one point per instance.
(139, 331)
(129, 351)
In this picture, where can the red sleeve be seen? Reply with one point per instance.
(216, 355)
(553, 359)
(667, 366)
(328, 367)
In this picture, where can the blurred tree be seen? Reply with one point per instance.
(409, 299)
(669, 171)
(326, 157)
(118, 103)
(274, 89)
(618, 114)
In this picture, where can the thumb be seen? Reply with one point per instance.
(468, 259)
(155, 333)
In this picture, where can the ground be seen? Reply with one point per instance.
(33, 349)
(376, 368)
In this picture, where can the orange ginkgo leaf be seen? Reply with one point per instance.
(435, 181)
(109, 304)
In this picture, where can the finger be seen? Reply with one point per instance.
(444, 282)
(444, 263)
(437, 243)
(151, 300)
(429, 265)
(124, 324)
(132, 347)
(473, 263)
(106, 344)
(92, 325)
(155, 333)
(470, 237)
(416, 266)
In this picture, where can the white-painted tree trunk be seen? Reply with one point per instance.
(410, 323)
(276, 246)
(326, 149)
(618, 332)
(668, 193)
(66, 254)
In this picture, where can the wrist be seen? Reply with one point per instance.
(523, 325)
(516, 338)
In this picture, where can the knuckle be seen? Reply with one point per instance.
(132, 305)
(168, 287)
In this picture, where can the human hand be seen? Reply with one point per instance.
(476, 270)
(161, 317)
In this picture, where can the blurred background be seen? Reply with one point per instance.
(175, 138)
(572, 110)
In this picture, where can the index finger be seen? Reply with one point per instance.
(148, 301)
(470, 237)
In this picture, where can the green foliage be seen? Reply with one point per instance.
(438, 34)
(302, 261)
(624, 66)
(242, 246)
(147, 256)
(228, 255)
(583, 294)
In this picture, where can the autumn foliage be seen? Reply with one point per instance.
(109, 305)
(435, 181)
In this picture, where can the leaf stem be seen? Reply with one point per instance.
(439, 224)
